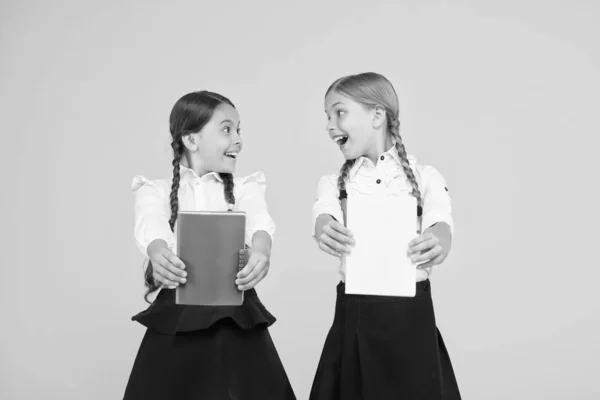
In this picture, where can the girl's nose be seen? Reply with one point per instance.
(330, 127)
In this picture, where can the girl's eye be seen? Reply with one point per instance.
(340, 112)
(226, 129)
(239, 131)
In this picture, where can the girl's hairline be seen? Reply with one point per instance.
(348, 95)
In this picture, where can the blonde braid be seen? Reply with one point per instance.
(394, 127)
(344, 175)
(342, 185)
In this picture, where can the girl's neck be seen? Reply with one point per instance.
(381, 143)
(195, 165)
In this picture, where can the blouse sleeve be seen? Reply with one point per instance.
(253, 203)
(327, 200)
(151, 214)
(437, 205)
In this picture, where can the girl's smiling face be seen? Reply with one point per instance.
(349, 124)
(218, 144)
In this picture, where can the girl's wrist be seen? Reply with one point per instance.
(322, 220)
(261, 242)
(155, 245)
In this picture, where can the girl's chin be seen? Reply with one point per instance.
(348, 153)
(228, 165)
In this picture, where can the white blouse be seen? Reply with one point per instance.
(387, 177)
(206, 193)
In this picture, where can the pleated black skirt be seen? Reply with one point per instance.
(202, 352)
(384, 348)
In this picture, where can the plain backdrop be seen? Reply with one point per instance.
(502, 97)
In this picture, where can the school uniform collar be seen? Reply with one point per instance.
(392, 152)
(188, 173)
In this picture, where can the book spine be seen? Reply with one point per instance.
(242, 259)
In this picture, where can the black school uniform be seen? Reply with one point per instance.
(207, 352)
(382, 347)
(204, 352)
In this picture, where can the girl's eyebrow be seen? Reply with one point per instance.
(228, 121)
(334, 104)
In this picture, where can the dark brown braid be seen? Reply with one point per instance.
(228, 189)
(177, 146)
(173, 198)
(394, 128)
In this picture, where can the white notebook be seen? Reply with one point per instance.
(378, 263)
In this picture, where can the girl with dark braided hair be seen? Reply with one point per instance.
(204, 352)
(381, 347)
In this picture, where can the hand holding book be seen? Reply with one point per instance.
(258, 264)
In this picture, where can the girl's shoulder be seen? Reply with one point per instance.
(329, 179)
(254, 181)
(415, 165)
(256, 177)
(412, 160)
(427, 174)
(422, 169)
(142, 184)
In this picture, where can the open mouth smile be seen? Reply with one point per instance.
(340, 140)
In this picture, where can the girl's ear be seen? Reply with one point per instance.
(379, 117)
(190, 142)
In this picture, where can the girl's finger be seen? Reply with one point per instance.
(421, 238)
(255, 281)
(340, 237)
(260, 277)
(166, 263)
(253, 274)
(428, 255)
(173, 286)
(163, 269)
(329, 250)
(340, 228)
(174, 260)
(247, 270)
(424, 245)
(164, 281)
(335, 245)
(434, 261)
